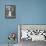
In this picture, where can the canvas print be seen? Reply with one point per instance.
(10, 11)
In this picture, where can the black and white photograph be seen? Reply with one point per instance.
(10, 11)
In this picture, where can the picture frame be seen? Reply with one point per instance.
(10, 11)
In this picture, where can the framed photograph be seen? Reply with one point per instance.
(10, 11)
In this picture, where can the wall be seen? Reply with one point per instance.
(6, 25)
(31, 11)
(27, 12)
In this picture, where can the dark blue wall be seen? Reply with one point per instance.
(27, 12)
